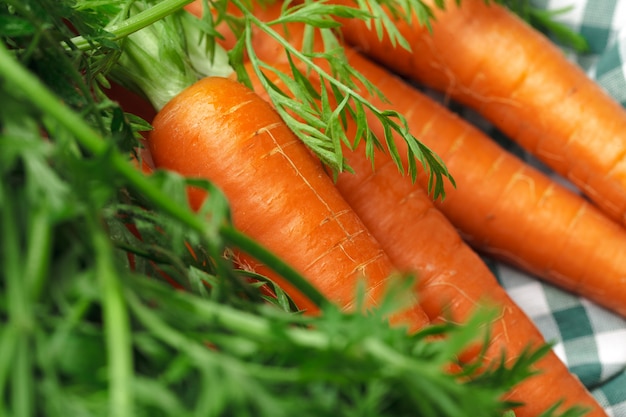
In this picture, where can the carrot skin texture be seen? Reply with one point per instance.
(487, 58)
(279, 195)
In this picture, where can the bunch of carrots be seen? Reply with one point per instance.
(373, 223)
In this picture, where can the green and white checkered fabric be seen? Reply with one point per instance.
(590, 340)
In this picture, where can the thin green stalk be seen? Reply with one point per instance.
(8, 337)
(39, 252)
(20, 316)
(246, 324)
(136, 22)
(161, 330)
(12, 266)
(116, 326)
(22, 386)
(387, 355)
(259, 328)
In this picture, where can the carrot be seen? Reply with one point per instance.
(498, 198)
(486, 57)
(453, 279)
(510, 210)
(279, 195)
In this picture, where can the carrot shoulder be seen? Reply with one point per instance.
(220, 130)
(486, 57)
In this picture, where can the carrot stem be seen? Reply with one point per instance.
(38, 256)
(20, 318)
(8, 337)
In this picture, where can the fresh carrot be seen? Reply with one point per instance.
(488, 58)
(513, 211)
(279, 195)
(502, 206)
(453, 280)
(510, 210)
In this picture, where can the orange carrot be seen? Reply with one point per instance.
(453, 279)
(486, 57)
(511, 210)
(502, 206)
(279, 195)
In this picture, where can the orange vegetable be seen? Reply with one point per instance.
(279, 195)
(486, 57)
(501, 205)
(453, 280)
(510, 210)
(418, 238)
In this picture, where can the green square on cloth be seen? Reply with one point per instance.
(610, 69)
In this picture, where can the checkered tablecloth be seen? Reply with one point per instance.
(589, 339)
